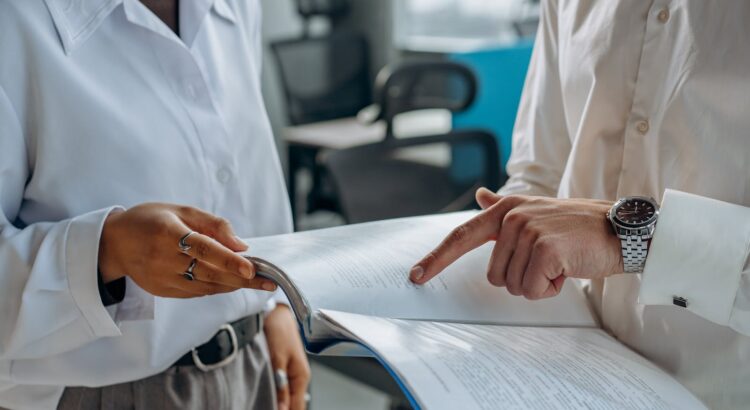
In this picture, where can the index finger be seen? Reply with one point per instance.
(207, 249)
(468, 236)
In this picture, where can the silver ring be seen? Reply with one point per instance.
(184, 247)
(281, 379)
(188, 274)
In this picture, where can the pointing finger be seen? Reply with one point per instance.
(466, 237)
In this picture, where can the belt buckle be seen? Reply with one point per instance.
(235, 349)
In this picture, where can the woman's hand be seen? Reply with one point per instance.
(288, 355)
(538, 243)
(143, 243)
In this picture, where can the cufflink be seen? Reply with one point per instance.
(679, 301)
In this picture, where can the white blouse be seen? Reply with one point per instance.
(652, 98)
(102, 105)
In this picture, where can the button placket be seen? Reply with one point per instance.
(641, 116)
(175, 61)
(192, 87)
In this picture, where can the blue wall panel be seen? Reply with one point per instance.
(501, 73)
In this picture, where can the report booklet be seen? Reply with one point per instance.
(456, 342)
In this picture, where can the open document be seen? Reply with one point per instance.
(460, 366)
(364, 269)
(457, 342)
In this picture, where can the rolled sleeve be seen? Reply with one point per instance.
(541, 144)
(699, 251)
(81, 263)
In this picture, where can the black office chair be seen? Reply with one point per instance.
(329, 8)
(324, 78)
(417, 175)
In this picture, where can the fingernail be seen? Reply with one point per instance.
(246, 271)
(416, 273)
(240, 242)
(269, 286)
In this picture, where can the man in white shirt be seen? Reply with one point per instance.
(623, 99)
(106, 105)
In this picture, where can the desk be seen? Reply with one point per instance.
(306, 142)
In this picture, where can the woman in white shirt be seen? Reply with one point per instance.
(119, 121)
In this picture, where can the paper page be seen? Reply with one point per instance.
(452, 366)
(364, 269)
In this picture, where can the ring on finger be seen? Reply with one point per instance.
(281, 379)
(184, 247)
(188, 274)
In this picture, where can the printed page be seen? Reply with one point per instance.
(486, 367)
(364, 269)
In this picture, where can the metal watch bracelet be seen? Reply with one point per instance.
(634, 250)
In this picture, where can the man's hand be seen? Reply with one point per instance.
(538, 243)
(143, 243)
(288, 354)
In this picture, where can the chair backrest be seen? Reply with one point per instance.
(324, 78)
(328, 8)
(419, 85)
(411, 176)
(414, 176)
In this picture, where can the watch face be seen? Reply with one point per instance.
(636, 212)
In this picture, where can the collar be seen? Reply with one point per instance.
(76, 20)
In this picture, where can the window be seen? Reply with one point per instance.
(459, 25)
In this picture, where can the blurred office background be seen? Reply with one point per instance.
(388, 108)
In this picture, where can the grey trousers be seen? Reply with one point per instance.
(246, 383)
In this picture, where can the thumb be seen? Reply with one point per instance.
(486, 198)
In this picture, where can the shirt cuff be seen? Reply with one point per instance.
(698, 252)
(81, 264)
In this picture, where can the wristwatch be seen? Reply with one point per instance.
(633, 219)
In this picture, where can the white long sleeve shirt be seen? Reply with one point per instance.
(653, 98)
(102, 105)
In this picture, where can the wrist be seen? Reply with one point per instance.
(108, 269)
(279, 318)
(615, 244)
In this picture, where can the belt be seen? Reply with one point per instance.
(224, 346)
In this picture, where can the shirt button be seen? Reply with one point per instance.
(663, 15)
(642, 127)
(223, 175)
